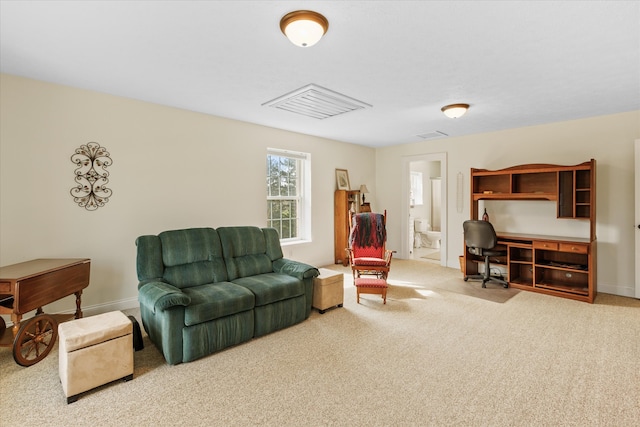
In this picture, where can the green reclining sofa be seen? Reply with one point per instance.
(203, 289)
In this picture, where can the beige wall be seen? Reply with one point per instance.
(171, 169)
(608, 139)
(174, 168)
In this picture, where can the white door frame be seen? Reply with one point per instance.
(405, 242)
(637, 222)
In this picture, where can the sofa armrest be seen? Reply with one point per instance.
(161, 296)
(295, 268)
(302, 272)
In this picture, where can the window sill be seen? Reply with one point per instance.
(284, 243)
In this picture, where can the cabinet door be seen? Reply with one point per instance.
(565, 194)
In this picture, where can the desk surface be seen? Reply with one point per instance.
(523, 236)
(25, 270)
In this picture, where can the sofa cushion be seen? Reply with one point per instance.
(245, 251)
(192, 257)
(272, 287)
(194, 274)
(215, 300)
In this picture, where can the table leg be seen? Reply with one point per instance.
(78, 302)
(15, 318)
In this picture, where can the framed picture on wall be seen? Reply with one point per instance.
(342, 179)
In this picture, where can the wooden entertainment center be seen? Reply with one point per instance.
(554, 265)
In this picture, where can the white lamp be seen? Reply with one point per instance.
(455, 110)
(304, 28)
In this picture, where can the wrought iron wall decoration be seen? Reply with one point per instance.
(91, 176)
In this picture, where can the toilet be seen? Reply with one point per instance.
(425, 237)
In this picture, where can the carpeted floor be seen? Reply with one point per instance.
(437, 354)
(431, 275)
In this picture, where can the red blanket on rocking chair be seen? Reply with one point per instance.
(368, 235)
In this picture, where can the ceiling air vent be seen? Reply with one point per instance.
(432, 135)
(317, 102)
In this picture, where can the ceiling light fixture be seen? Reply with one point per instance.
(304, 28)
(455, 110)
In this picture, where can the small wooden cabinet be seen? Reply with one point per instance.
(555, 265)
(344, 202)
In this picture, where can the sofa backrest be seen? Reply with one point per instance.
(149, 264)
(272, 240)
(249, 250)
(183, 258)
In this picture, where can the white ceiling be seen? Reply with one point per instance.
(518, 63)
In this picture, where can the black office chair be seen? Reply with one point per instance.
(481, 240)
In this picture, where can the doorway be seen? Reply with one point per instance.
(424, 214)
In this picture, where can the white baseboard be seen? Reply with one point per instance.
(623, 291)
(124, 304)
(90, 310)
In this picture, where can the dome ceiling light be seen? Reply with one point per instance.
(304, 28)
(455, 110)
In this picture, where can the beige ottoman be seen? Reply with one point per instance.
(328, 290)
(94, 351)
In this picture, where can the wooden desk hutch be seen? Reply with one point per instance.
(554, 265)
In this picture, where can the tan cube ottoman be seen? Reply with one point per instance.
(328, 290)
(94, 351)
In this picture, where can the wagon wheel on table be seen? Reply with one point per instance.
(35, 339)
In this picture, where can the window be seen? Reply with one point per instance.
(416, 188)
(288, 194)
